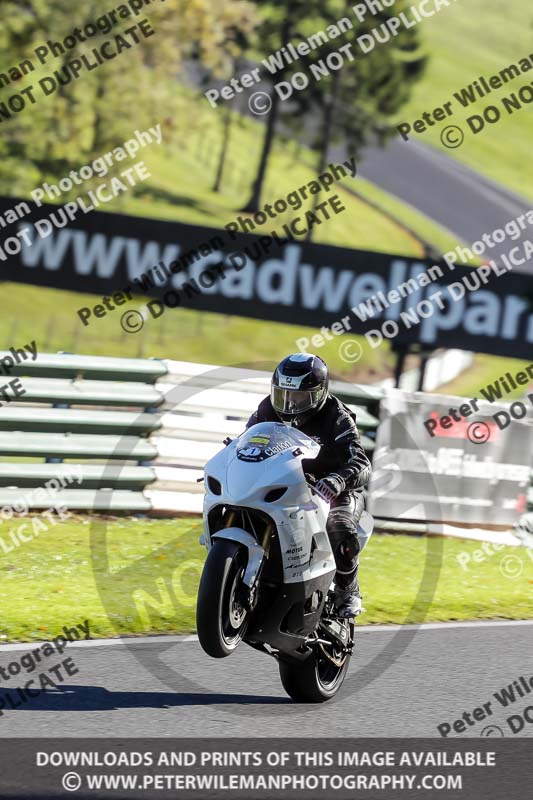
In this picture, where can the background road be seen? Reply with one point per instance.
(131, 689)
(446, 191)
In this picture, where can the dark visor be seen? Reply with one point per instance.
(295, 401)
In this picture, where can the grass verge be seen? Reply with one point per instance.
(143, 579)
(49, 316)
(464, 42)
(485, 370)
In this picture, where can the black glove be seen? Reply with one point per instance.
(330, 487)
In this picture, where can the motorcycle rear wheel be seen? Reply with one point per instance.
(221, 620)
(314, 680)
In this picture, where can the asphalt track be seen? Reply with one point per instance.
(456, 197)
(403, 682)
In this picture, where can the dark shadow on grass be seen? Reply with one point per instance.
(97, 698)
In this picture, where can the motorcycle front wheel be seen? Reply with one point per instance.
(221, 619)
(316, 679)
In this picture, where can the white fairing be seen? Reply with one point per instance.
(267, 456)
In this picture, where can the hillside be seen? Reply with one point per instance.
(471, 39)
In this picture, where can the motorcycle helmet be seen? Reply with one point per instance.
(299, 388)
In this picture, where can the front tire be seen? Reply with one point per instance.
(314, 680)
(221, 620)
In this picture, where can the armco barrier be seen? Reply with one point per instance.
(139, 452)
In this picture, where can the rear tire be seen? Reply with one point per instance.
(220, 619)
(314, 680)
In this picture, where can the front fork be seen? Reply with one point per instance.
(256, 557)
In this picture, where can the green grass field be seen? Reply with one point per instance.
(485, 369)
(181, 189)
(49, 316)
(135, 575)
(464, 41)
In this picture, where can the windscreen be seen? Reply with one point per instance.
(267, 439)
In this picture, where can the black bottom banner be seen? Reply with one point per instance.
(267, 768)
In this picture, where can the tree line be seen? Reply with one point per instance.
(84, 118)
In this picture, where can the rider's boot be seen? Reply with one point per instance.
(348, 600)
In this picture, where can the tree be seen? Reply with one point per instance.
(280, 25)
(238, 22)
(357, 101)
(103, 106)
(353, 103)
(371, 89)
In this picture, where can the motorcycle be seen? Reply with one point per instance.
(267, 579)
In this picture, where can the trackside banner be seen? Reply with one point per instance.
(455, 468)
(384, 296)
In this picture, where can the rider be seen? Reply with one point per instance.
(299, 397)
